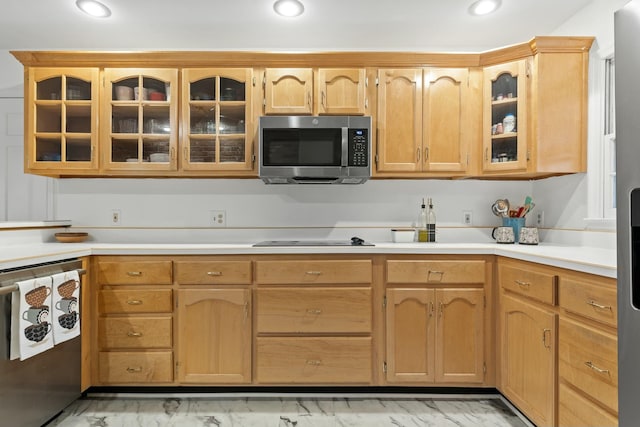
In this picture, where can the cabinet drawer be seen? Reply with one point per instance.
(590, 300)
(589, 361)
(115, 301)
(135, 332)
(315, 310)
(531, 283)
(299, 360)
(412, 271)
(134, 273)
(136, 367)
(213, 272)
(308, 271)
(574, 410)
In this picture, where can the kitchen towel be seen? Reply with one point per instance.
(66, 307)
(30, 318)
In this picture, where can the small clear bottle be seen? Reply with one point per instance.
(431, 223)
(422, 223)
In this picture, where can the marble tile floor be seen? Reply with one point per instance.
(484, 411)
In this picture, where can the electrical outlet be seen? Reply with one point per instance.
(467, 218)
(218, 218)
(540, 219)
(116, 217)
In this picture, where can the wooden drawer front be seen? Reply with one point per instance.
(321, 271)
(589, 361)
(298, 360)
(574, 410)
(317, 310)
(411, 271)
(533, 284)
(589, 300)
(135, 332)
(213, 272)
(136, 367)
(134, 273)
(116, 301)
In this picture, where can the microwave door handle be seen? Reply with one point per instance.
(345, 147)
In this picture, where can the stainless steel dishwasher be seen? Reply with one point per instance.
(37, 389)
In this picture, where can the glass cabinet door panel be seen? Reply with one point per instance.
(62, 118)
(505, 96)
(140, 120)
(216, 107)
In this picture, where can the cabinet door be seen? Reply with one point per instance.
(445, 127)
(62, 119)
(288, 91)
(410, 328)
(341, 91)
(528, 358)
(399, 147)
(139, 119)
(216, 117)
(460, 336)
(214, 335)
(505, 117)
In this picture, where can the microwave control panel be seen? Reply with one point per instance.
(359, 147)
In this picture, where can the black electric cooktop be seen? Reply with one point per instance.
(355, 241)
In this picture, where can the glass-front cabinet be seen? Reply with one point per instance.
(62, 120)
(216, 119)
(505, 116)
(139, 125)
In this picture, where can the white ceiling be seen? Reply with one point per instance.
(416, 25)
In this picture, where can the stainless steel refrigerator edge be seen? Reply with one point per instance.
(627, 93)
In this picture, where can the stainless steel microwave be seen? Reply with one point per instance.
(314, 150)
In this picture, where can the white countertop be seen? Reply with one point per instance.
(592, 260)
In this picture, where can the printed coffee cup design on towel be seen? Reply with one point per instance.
(37, 332)
(66, 289)
(36, 315)
(68, 320)
(67, 305)
(37, 296)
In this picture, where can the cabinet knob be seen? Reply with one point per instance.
(214, 273)
(134, 273)
(595, 368)
(314, 311)
(134, 370)
(134, 334)
(544, 337)
(314, 362)
(134, 302)
(522, 284)
(599, 306)
(313, 273)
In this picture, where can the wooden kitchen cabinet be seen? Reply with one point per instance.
(336, 91)
(139, 121)
(133, 341)
(314, 320)
(61, 120)
(435, 335)
(217, 119)
(425, 121)
(435, 321)
(214, 345)
(505, 95)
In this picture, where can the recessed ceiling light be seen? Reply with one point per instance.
(288, 8)
(93, 8)
(484, 7)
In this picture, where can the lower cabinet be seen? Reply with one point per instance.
(435, 335)
(528, 358)
(215, 335)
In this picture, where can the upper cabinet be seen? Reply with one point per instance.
(425, 121)
(505, 117)
(292, 91)
(216, 119)
(61, 120)
(518, 113)
(139, 123)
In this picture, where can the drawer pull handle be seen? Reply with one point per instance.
(314, 311)
(134, 302)
(214, 273)
(134, 334)
(522, 284)
(431, 311)
(313, 273)
(134, 370)
(134, 273)
(595, 368)
(601, 307)
(314, 362)
(544, 337)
